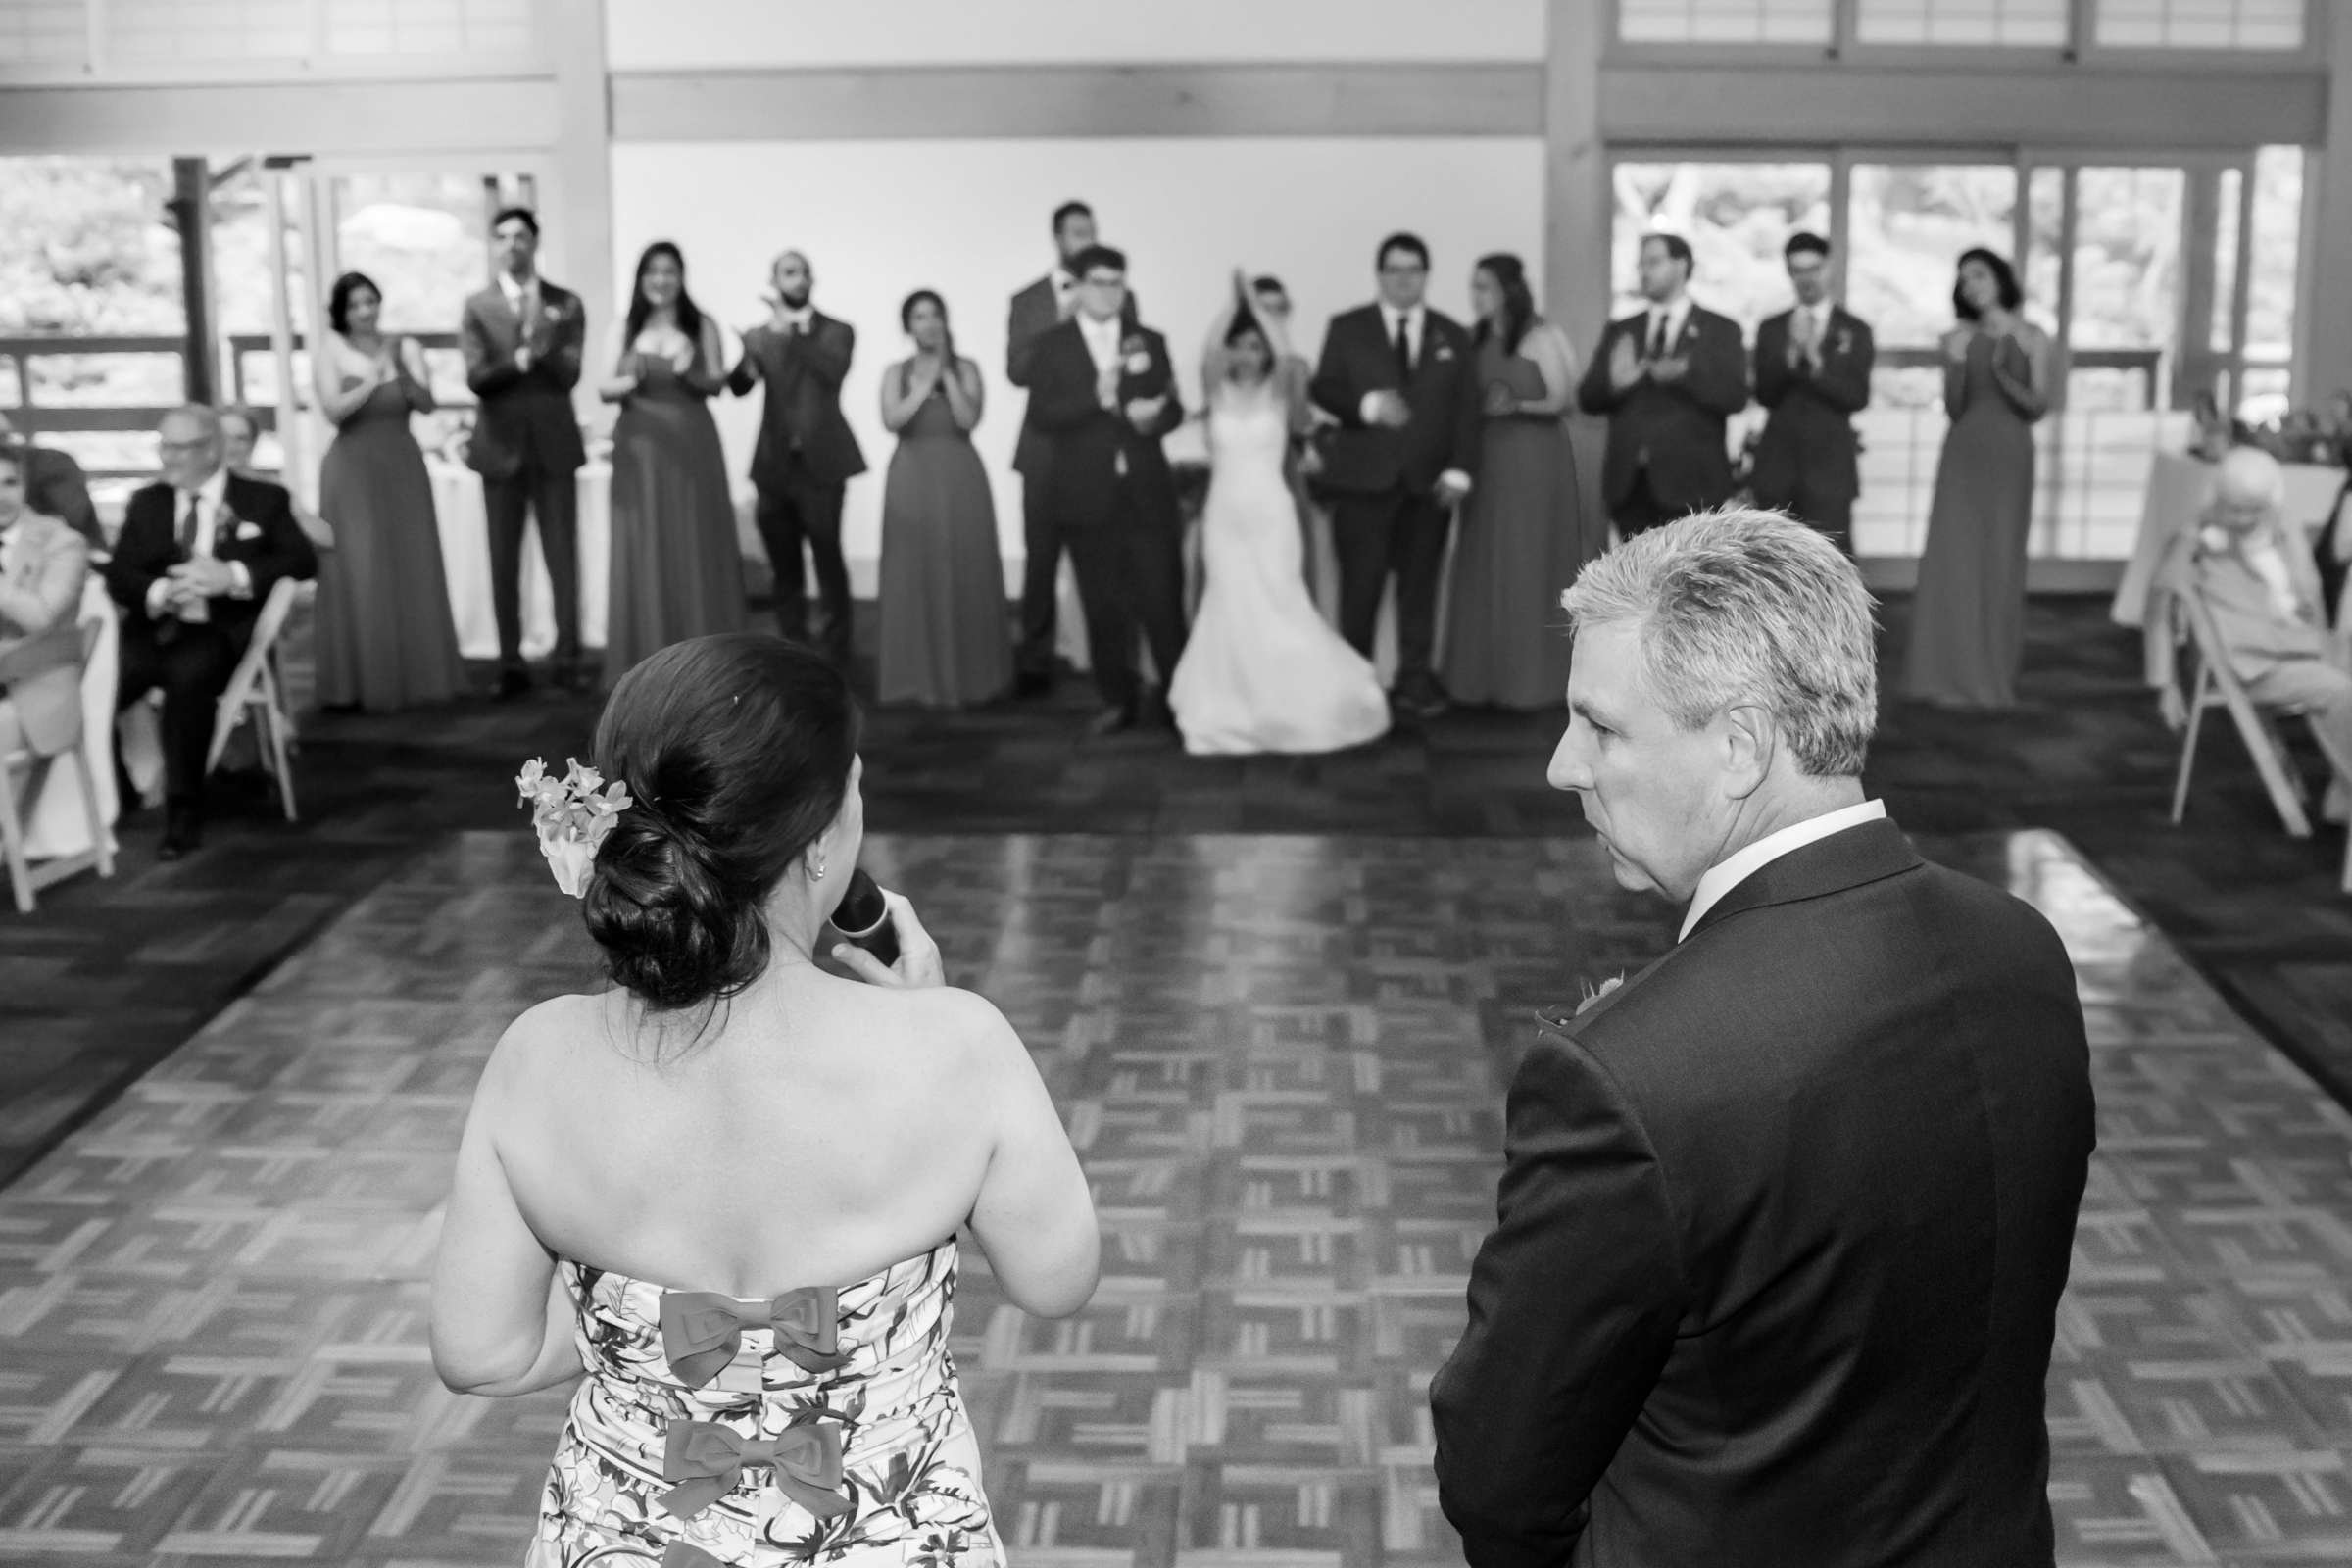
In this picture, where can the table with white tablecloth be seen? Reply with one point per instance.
(2176, 495)
(466, 558)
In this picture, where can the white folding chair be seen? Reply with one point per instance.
(2215, 685)
(24, 878)
(256, 692)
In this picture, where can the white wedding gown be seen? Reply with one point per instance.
(1262, 670)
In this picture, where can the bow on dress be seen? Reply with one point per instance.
(706, 1461)
(701, 1331)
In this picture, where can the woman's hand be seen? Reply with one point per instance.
(919, 962)
(1499, 400)
(1955, 345)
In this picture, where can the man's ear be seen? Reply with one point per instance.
(1750, 738)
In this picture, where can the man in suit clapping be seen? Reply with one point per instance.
(1668, 379)
(522, 338)
(806, 455)
(1813, 367)
(199, 552)
(1400, 380)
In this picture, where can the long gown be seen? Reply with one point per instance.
(677, 568)
(1262, 670)
(942, 626)
(1523, 541)
(1968, 617)
(385, 635)
(677, 1380)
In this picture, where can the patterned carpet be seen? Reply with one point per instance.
(110, 977)
(1280, 1058)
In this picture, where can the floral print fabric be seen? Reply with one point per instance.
(911, 1464)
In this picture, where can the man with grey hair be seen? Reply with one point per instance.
(1785, 1219)
(199, 552)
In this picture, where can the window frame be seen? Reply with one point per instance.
(2081, 50)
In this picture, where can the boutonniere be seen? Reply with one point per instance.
(249, 530)
(1593, 994)
(1441, 353)
(1138, 354)
(1846, 341)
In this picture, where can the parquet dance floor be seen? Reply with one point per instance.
(1282, 1061)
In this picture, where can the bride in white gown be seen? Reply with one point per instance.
(1262, 670)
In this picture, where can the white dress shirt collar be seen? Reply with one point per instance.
(514, 291)
(1676, 312)
(1102, 339)
(210, 493)
(1414, 319)
(1737, 868)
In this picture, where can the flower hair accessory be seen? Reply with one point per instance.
(573, 816)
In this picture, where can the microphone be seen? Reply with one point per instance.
(864, 919)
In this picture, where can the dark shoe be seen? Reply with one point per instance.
(572, 676)
(1422, 699)
(184, 834)
(1031, 683)
(1154, 712)
(1112, 720)
(513, 682)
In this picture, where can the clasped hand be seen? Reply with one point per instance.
(193, 582)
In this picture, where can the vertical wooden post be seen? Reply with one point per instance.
(191, 212)
(1577, 205)
(577, 208)
(2322, 329)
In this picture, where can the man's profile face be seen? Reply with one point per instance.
(1662, 277)
(1651, 791)
(516, 246)
(1075, 235)
(1809, 275)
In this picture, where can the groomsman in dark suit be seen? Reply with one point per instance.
(1102, 396)
(1401, 379)
(1813, 372)
(805, 455)
(521, 339)
(1668, 379)
(1036, 310)
(199, 552)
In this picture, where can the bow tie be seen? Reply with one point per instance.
(706, 1461)
(701, 1331)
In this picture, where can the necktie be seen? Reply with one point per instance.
(1657, 336)
(187, 526)
(1405, 346)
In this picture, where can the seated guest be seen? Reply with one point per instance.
(199, 552)
(2256, 577)
(43, 565)
(55, 488)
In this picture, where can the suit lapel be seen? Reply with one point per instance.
(1868, 852)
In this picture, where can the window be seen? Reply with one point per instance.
(2200, 23)
(151, 30)
(1736, 216)
(427, 27)
(1994, 24)
(44, 33)
(1785, 22)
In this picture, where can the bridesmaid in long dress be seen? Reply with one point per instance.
(677, 568)
(943, 582)
(1968, 617)
(386, 638)
(1524, 534)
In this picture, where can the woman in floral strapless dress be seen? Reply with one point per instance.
(728, 1190)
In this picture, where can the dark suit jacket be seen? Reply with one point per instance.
(1035, 313)
(1446, 429)
(1678, 430)
(804, 372)
(525, 420)
(1782, 1230)
(1088, 445)
(265, 537)
(1809, 433)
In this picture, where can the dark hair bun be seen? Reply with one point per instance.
(737, 749)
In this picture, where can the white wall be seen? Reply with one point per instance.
(971, 219)
(745, 35)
